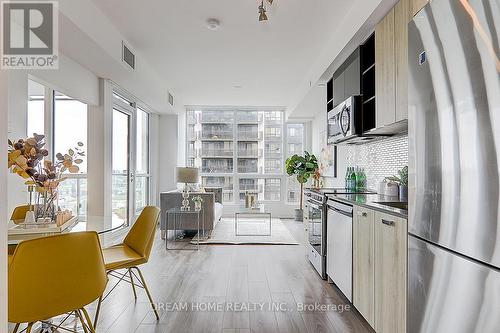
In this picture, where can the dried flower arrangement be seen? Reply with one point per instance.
(26, 158)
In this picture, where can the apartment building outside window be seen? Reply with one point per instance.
(238, 150)
(295, 145)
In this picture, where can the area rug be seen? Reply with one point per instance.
(224, 233)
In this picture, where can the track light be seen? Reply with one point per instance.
(262, 12)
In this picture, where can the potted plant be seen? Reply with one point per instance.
(302, 167)
(402, 180)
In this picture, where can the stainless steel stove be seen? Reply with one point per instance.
(315, 209)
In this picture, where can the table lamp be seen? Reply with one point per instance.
(186, 176)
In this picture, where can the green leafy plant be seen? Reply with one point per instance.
(302, 167)
(402, 178)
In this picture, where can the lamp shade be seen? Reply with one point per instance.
(187, 175)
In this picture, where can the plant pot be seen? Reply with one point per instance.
(299, 214)
(403, 193)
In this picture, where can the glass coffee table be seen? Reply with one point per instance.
(252, 220)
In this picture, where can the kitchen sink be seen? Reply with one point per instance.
(395, 204)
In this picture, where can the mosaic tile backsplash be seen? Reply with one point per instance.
(380, 158)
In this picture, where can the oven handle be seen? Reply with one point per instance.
(310, 204)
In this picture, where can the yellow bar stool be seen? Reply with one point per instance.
(53, 276)
(134, 251)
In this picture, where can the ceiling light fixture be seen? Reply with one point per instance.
(262, 12)
(213, 24)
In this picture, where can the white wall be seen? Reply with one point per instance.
(4, 109)
(167, 152)
(318, 131)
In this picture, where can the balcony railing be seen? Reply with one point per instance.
(249, 135)
(249, 153)
(217, 152)
(248, 169)
(219, 135)
(250, 117)
(216, 169)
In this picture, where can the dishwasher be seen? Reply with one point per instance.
(339, 246)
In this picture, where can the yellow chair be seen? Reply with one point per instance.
(55, 275)
(19, 212)
(134, 251)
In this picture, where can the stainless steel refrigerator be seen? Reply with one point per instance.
(454, 139)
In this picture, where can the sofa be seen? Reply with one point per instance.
(212, 208)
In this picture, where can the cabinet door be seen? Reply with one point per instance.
(416, 5)
(352, 79)
(385, 71)
(402, 16)
(390, 273)
(338, 89)
(363, 263)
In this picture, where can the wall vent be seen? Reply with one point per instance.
(127, 56)
(171, 99)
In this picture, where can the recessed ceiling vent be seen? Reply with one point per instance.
(127, 56)
(170, 99)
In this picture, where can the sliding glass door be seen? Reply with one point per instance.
(121, 162)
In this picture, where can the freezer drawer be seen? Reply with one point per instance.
(450, 293)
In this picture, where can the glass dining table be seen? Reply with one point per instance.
(101, 224)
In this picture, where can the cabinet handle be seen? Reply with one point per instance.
(389, 223)
(364, 214)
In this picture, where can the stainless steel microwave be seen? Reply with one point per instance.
(344, 121)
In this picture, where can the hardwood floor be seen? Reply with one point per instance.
(224, 276)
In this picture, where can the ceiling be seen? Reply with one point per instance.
(244, 62)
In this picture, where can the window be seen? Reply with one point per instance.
(142, 173)
(295, 145)
(36, 108)
(67, 112)
(120, 165)
(240, 151)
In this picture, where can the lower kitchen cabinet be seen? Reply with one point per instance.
(380, 269)
(390, 273)
(363, 263)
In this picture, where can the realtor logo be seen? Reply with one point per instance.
(29, 35)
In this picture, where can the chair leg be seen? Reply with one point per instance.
(132, 282)
(84, 325)
(16, 328)
(97, 311)
(89, 322)
(28, 329)
(147, 292)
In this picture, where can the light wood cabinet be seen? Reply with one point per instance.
(416, 5)
(363, 274)
(402, 15)
(390, 273)
(380, 269)
(385, 71)
(391, 63)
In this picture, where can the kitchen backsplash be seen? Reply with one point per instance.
(380, 158)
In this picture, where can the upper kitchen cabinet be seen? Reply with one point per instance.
(346, 80)
(391, 76)
(402, 15)
(416, 5)
(385, 75)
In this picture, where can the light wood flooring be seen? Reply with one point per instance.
(237, 275)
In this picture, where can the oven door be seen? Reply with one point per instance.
(315, 214)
